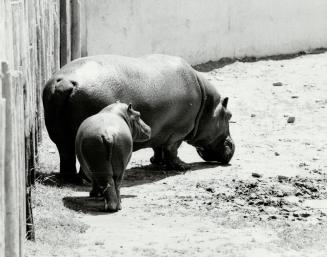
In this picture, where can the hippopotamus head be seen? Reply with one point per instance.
(214, 142)
(140, 130)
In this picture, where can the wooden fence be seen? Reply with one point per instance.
(29, 54)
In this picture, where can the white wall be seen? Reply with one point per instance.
(202, 30)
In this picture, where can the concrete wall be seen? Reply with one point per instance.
(204, 30)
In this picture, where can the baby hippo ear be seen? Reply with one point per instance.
(225, 102)
(129, 108)
(131, 112)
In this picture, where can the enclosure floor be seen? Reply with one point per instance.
(215, 210)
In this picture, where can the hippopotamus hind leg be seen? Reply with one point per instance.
(111, 202)
(66, 151)
(118, 182)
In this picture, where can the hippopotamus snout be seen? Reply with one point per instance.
(144, 133)
(222, 152)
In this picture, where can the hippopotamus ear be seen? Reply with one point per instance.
(225, 102)
(129, 108)
(132, 113)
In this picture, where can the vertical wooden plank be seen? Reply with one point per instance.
(56, 35)
(19, 65)
(2, 171)
(75, 29)
(83, 28)
(65, 32)
(12, 212)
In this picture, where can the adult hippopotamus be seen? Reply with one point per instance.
(176, 101)
(104, 145)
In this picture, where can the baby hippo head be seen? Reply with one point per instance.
(140, 130)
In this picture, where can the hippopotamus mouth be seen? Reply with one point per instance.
(221, 152)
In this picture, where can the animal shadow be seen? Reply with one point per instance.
(86, 204)
(151, 173)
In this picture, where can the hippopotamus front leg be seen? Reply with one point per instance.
(158, 156)
(171, 159)
(96, 190)
(167, 156)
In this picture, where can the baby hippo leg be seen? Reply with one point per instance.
(111, 199)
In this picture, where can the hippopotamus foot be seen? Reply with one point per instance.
(177, 164)
(170, 159)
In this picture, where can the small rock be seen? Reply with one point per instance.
(294, 96)
(253, 196)
(273, 217)
(239, 202)
(295, 214)
(51, 150)
(252, 115)
(305, 215)
(280, 194)
(282, 178)
(277, 84)
(298, 193)
(210, 190)
(291, 119)
(256, 175)
(277, 154)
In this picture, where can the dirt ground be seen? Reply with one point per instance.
(270, 201)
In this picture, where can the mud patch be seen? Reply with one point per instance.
(272, 198)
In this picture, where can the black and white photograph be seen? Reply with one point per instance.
(163, 128)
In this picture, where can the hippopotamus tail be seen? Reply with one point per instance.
(55, 94)
(108, 141)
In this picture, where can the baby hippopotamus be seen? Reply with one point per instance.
(104, 145)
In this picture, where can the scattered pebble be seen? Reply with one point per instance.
(256, 175)
(99, 243)
(291, 119)
(210, 190)
(277, 84)
(305, 215)
(282, 178)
